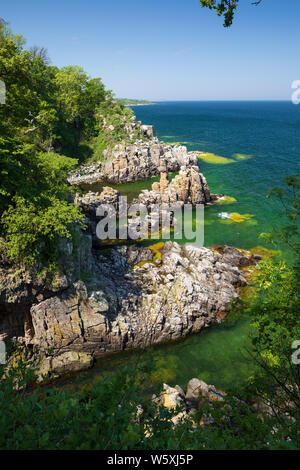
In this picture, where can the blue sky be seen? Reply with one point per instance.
(168, 49)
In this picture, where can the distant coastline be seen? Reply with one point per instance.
(140, 104)
(128, 102)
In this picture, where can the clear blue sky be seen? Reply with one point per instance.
(168, 49)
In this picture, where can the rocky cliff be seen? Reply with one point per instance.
(126, 297)
(133, 162)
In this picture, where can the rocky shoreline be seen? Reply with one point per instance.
(129, 296)
(134, 162)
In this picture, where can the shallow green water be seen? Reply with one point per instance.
(131, 190)
(268, 137)
(217, 355)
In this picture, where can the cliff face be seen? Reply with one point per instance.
(126, 298)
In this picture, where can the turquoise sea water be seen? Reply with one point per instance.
(262, 142)
(262, 139)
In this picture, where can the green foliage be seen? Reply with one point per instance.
(50, 114)
(275, 316)
(38, 212)
(224, 8)
(112, 414)
(32, 232)
(290, 201)
(70, 82)
(115, 121)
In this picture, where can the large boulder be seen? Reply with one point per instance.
(197, 393)
(148, 131)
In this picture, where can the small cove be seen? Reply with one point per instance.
(259, 142)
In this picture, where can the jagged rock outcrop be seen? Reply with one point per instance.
(125, 298)
(171, 397)
(148, 131)
(89, 202)
(149, 303)
(188, 187)
(133, 162)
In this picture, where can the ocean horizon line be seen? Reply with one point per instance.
(221, 101)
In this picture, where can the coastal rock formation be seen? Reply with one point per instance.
(134, 303)
(126, 298)
(133, 162)
(188, 187)
(148, 131)
(90, 201)
(171, 397)
(89, 204)
(87, 174)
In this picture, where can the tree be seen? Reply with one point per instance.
(50, 114)
(34, 206)
(71, 83)
(41, 53)
(274, 310)
(224, 8)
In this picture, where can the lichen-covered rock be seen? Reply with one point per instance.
(197, 389)
(188, 187)
(70, 361)
(132, 304)
(197, 393)
(121, 298)
(171, 397)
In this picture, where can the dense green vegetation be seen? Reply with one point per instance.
(52, 115)
(53, 118)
